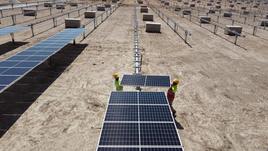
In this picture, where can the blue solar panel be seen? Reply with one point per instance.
(15, 71)
(146, 80)
(161, 149)
(135, 80)
(120, 134)
(117, 149)
(155, 113)
(2, 87)
(26, 64)
(124, 98)
(122, 113)
(28, 59)
(152, 98)
(11, 29)
(8, 63)
(159, 134)
(161, 81)
(139, 121)
(5, 80)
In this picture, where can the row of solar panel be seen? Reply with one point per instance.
(138, 98)
(146, 80)
(20, 64)
(138, 113)
(12, 29)
(137, 149)
(139, 121)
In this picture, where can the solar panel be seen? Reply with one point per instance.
(139, 121)
(20, 64)
(120, 134)
(161, 81)
(124, 98)
(135, 80)
(152, 98)
(161, 149)
(11, 29)
(122, 113)
(117, 149)
(159, 134)
(155, 113)
(146, 80)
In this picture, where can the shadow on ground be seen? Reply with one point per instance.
(16, 99)
(8, 46)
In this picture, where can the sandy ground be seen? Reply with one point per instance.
(221, 104)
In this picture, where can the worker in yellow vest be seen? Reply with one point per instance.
(171, 94)
(117, 84)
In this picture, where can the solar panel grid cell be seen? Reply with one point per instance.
(163, 81)
(137, 80)
(161, 149)
(124, 98)
(117, 149)
(120, 134)
(122, 113)
(155, 113)
(152, 98)
(158, 134)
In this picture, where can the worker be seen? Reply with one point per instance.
(171, 94)
(117, 82)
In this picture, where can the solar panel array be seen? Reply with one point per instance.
(139, 121)
(15, 67)
(11, 29)
(146, 80)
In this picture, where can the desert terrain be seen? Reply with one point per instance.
(222, 102)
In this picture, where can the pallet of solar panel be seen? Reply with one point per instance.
(192, 5)
(204, 19)
(60, 6)
(264, 22)
(90, 14)
(186, 3)
(153, 27)
(73, 4)
(72, 23)
(48, 4)
(100, 8)
(177, 8)
(107, 5)
(29, 12)
(186, 12)
(148, 17)
(144, 9)
(233, 30)
(227, 14)
(211, 11)
(243, 8)
(166, 3)
(140, 1)
(218, 6)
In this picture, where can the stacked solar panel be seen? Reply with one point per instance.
(139, 121)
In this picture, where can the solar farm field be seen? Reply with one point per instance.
(100, 75)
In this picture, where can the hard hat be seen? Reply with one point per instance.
(116, 75)
(176, 81)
